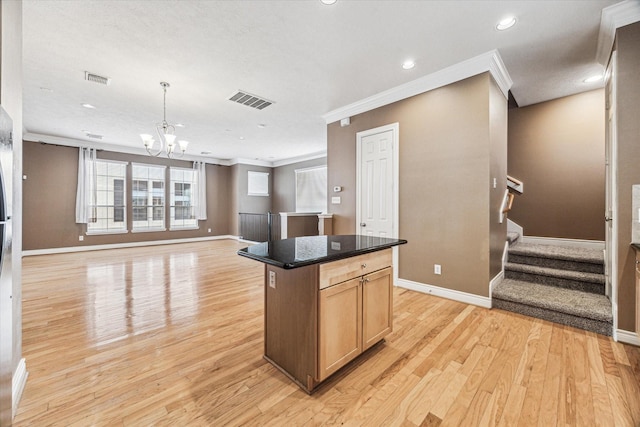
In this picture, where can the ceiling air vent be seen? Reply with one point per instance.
(253, 101)
(90, 77)
(94, 136)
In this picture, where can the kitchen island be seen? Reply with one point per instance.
(327, 300)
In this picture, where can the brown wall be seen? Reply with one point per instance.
(446, 156)
(50, 191)
(284, 184)
(240, 200)
(557, 149)
(628, 171)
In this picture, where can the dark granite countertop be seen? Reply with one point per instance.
(301, 251)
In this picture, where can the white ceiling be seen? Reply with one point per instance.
(308, 57)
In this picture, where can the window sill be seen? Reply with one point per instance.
(148, 230)
(102, 232)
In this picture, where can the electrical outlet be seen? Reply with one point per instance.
(272, 279)
(81, 238)
(437, 269)
(208, 230)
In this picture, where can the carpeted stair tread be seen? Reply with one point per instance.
(554, 272)
(576, 303)
(585, 255)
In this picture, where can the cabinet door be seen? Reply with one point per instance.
(377, 307)
(340, 326)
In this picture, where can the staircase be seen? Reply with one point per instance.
(556, 283)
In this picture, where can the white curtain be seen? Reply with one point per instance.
(201, 188)
(85, 193)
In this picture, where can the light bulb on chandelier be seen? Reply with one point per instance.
(166, 134)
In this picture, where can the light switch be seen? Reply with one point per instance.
(336, 200)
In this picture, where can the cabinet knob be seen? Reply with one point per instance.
(364, 265)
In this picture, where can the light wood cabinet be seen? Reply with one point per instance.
(320, 317)
(377, 307)
(340, 315)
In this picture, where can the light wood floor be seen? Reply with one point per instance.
(172, 335)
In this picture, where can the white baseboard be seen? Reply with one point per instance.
(445, 293)
(590, 244)
(494, 281)
(627, 337)
(123, 245)
(18, 381)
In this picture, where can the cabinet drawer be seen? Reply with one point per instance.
(339, 271)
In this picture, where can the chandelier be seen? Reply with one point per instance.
(166, 134)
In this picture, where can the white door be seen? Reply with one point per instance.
(610, 185)
(377, 163)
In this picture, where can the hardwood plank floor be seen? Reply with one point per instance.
(172, 335)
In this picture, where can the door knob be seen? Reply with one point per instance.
(362, 224)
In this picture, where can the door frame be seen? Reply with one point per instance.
(395, 149)
(611, 235)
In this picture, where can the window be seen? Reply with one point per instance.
(107, 213)
(147, 197)
(257, 183)
(183, 192)
(311, 189)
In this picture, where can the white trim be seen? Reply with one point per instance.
(512, 227)
(286, 214)
(486, 62)
(503, 205)
(505, 258)
(395, 146)
(445, 293)
(612, 18)
(117, 148)
(626, 337)
(496, 280)
(18, 381)
(298, 159)
(556, 241)
(148, 230)
(122, 245)
(105, 232)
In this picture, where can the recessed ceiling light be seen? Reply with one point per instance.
(506, 23)
(179, 125)
(242, 137)
(593, 79)
(262, 125)
(408, 64)
(328, 2)
(88, 106)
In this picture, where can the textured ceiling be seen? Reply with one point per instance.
(307, 57)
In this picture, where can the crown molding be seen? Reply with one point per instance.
(612, 18)
(71, 142)
(298, 159)
(489, 61)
